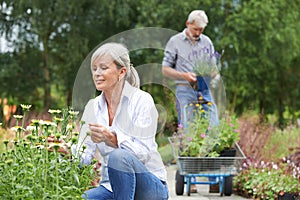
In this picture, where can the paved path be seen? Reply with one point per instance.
(202, 194)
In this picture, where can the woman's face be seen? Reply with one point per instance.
(106, 74)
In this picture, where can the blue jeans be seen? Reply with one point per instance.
(99, 193)
(184, 96)
(130, 180)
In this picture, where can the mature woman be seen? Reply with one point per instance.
(122, 122)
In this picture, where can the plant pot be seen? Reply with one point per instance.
(287, 196)
(203, 82)
(228, 153)
(227, 156)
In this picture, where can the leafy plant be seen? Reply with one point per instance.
(273, 148)
(201, 140)
(32, 165)
(268, 180)
(229, 133)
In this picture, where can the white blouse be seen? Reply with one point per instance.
(135, 125)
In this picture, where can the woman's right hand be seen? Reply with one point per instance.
(100, 133)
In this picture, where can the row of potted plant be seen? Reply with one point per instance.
(269, 180)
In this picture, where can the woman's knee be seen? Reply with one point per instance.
(118, 157)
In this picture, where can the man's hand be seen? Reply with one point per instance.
(190, 77)
(174, 74)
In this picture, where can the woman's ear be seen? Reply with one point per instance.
(122, 73)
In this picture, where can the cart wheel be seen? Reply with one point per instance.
(228, 186)
(179, 183)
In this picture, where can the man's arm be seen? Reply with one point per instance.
(174, 74)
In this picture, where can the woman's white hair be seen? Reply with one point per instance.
(199, 17)
(120, 55)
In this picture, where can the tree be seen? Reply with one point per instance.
(260, 64)
(49, 27)
(262, 45)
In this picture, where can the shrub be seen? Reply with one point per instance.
(280, 142)
(281, 174)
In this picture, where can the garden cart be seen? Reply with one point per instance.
(219, 169)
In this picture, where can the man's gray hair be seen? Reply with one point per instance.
(199, 17)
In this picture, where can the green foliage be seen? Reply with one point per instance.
(259, 54)
(34, 164)
(229, 133)
(201, 140)
(267, 181)
(20, 76)
(49, 40)
(276, 147)
(166, 154)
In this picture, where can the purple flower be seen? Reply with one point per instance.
(180, 126)
(203, 135)
(189, 139)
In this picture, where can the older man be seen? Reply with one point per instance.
(182, 53)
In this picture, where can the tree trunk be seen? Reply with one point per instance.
(280, 113)
(261, 111)
(233, 101)
(69, 97)
(47, 85)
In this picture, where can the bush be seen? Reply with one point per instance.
(280, 142)
(272, 167)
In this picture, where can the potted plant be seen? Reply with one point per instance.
(268, 180)
(205, 67)
(228, 136)
(198, 145)
(198, 139)
(201, 140)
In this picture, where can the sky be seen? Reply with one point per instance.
(3, 45)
